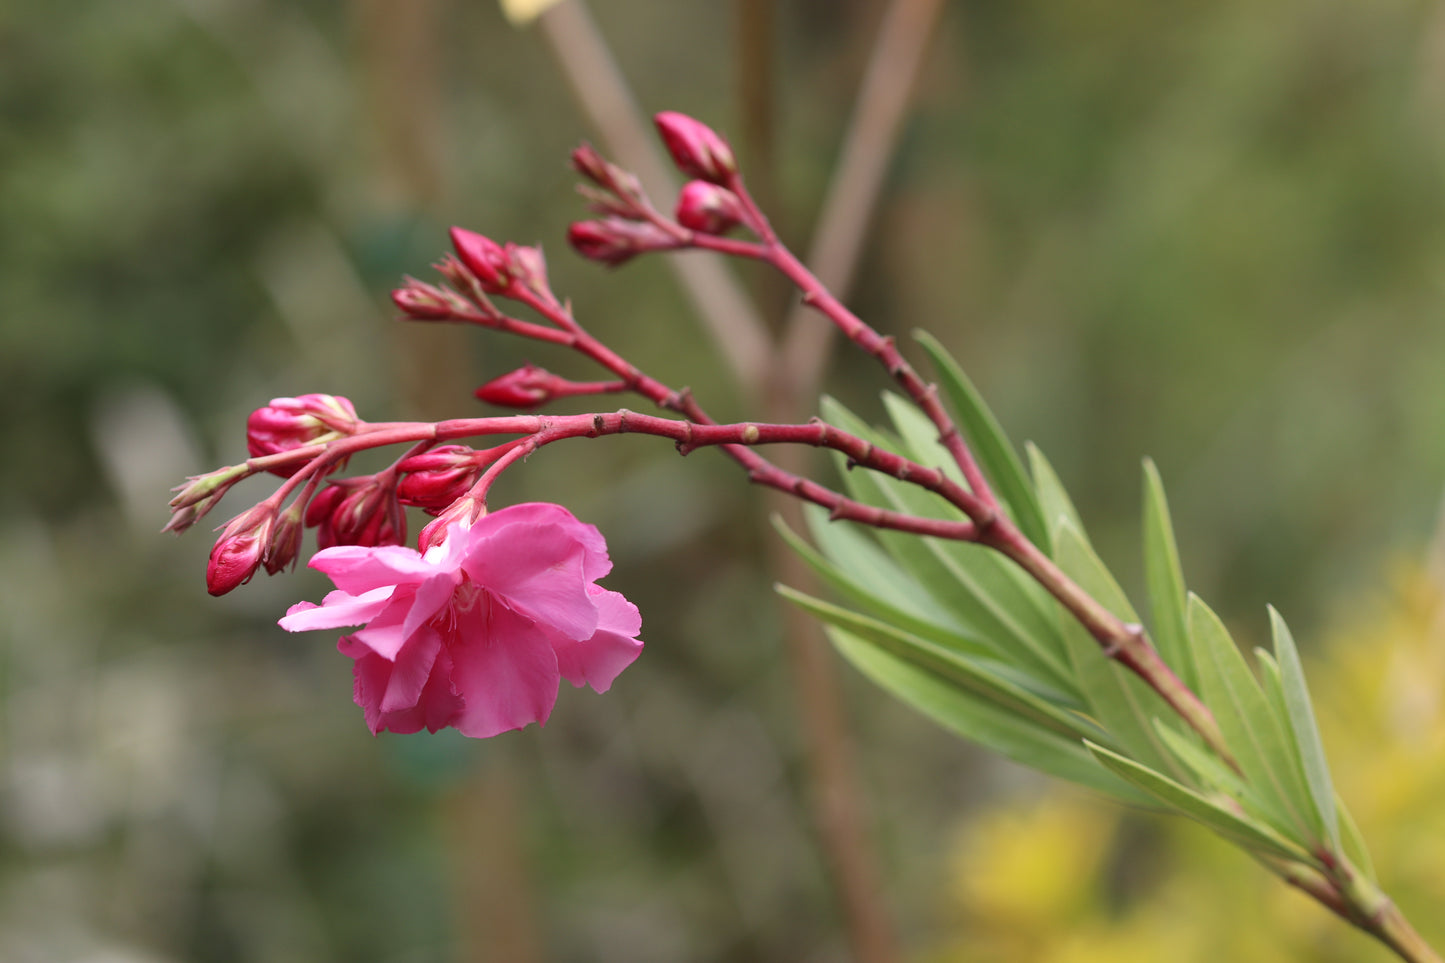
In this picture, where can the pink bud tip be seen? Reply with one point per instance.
(289, 423)
(485, 258)
(422, 302)
(708, 208)
(237, 553)
(439, 477)
(526, 387)
(696, 148)
(613, 240)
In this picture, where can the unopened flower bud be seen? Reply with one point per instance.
(285, 541)
(708, 208)
(484, 258)
(528, 266)
(356, 511)
(200, 494)
(696, 149)
(237, 553)
(463, 512)
(289, 423)
(526, 387)
(612, 179)
(436, 478)
(613, 240)
(422, 301)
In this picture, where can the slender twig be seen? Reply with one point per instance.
(584, 59)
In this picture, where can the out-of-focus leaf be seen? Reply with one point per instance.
(867, 577)
(1054, 501)
(995, 454)
(1354, 842)
(1209, 771)
(1250, 834)
(994, 601)
(1164, 577)
(1261, 747)
(991, 727)
(1122, 703)
(919, 436)
(981, 681)
(1301, 719)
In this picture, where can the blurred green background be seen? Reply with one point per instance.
(1209, 232)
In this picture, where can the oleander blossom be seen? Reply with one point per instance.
(478, 632)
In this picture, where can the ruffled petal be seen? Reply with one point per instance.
(358, 568)
(538, 568)
(431, 597)
(600, 659)
(504, 670)
(410, 670)
(338, 609)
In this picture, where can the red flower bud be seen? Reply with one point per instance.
(356, 511)
(527, 387)
(485, 258)
(696, 148)
(528, 266)
(237, 553)
(623, 185)
(708, 208)
(285, 541)
(423, 302)
(613, 240)
(439, 477)
(289, 423)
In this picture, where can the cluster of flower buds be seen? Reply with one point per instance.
(358, 511)
(436, 478)
(629, 225)
(497, 268)
(200, 494)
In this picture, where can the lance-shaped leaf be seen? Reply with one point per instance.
(1054, 500)
(1301, 717)
(989, 682)
(1265, 753)
(986, 592)
(980, 721)
(1164, 577)
(990, 446)
(867, 577)
(1249, 833)
(1124, 705)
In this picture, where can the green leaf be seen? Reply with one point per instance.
(1261, 747)
(1123, 703)
(1054, 501)
(1301, 718)
(1354, 842)
(866, 576)
(980, 721)
(1164, 577)
(992, 598)
(1252, 835)
(990, 446)
(1209, 770)
(979, 680)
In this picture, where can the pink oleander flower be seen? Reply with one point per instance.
(478, 632)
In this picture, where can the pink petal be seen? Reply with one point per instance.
(386, 635)
(411, 670)
(434, 708)
(600, 659)
(431, 597)
(503, 669)
(336, 610)
(357, 568)
(537, 568)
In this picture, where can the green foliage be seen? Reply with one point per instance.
(954, 630)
